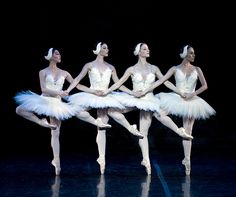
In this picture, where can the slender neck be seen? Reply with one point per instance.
(185, 63)
(53, 65)
(99, 59)
(142, 61)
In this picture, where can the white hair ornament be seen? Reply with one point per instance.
(137, 49)
(49, 55)
(185, 51)
(98, 48)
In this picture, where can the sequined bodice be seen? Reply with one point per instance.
(53, 84)
(186, 83)
(140, 83)
(98, 80)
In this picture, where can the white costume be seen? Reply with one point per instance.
(45, 104)
(98, 81)
(148, 102)
(173, 103)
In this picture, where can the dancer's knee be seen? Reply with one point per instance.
(104, 119)
(82, 114)
(188, 130)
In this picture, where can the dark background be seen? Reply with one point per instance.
(28, 33)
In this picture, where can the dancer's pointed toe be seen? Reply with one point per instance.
(56, 164)
(45, 123)
(183, 134)
(186, 163)
(133, 129)
(101, 124)
(101, 163)
(147, 165)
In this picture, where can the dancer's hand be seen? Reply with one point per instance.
(63, 93)
(138, 94)
(106, 92)
(188, 96)
(66, 92)
(146, 91)
(182, 95)
(99, 93)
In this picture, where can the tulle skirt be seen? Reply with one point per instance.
(196, 107)
(45, 105)
(87, 100)
(147, 103)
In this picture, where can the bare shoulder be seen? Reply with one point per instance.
(173, 68)
(154, 67)
(64, 72)
(43, 71)
(109, 65)
(131, 69)
(198, 69)
(88, 65)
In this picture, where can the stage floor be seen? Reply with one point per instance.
(213, 174)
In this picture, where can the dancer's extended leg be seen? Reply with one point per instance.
(85, 116)
(168, 122)
(32, 117)
(120, 118)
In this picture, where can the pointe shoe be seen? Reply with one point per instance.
(101, 163)
(56, 164)
(147, 166)
(186, 163)
(45, 123)
(133, 129)
(101, 124)
(181, 132)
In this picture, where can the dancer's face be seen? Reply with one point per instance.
(56, 56)
(104, 50)
(190, 55)
(144, 51)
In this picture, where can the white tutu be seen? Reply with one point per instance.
(88, 100)
(196, 108)
(147, 103)
(45, 105)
